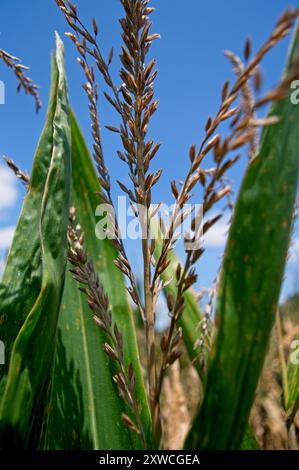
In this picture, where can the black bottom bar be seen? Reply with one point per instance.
(138, 459)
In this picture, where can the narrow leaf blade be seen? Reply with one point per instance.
(250, 283)
(21, 282)
(33, 349)
(85, 408)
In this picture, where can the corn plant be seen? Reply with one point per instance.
(73, 377)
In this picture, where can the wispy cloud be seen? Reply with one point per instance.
(294, 250)
(6, 236)
(217, 235)
(8, 188)
(2, 266)
(8, 200)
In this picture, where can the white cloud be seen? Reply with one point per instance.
(8, 188)
(6, 236)
(2, 266)
(294, 250)
(217, 235)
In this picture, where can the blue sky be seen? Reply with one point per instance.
(192, 70)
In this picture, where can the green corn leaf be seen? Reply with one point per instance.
(21, 282)
(85, 408)
(33, 350)
(293, 380)
(189, 323)
(250, 282)
(249, 441)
